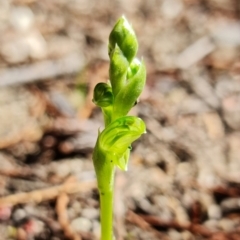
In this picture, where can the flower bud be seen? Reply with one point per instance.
(114, 141)
(102, 95)
(118, 69)
(129, 94)
(124, 36)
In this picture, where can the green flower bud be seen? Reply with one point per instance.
(118, 69)
(114, 141)
(133, 69)
(124, 36)
(102, 95)
(129, 94)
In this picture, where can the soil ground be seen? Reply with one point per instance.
(183, 181)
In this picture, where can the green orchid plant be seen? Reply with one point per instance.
(116, 98)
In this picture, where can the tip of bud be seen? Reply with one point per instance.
(124, 36)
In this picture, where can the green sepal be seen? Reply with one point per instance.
(124, 36)
(128, 95)
(107, 114)
(114, 141)
(122, 162)
(118, 69)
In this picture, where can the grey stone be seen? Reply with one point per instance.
(19, 215)
(214, 211)
(90, 213)
(81, 224)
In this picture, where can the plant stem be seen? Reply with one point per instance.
(106, 202)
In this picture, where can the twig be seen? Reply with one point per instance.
(61, 208)
(194, 228)
(42, 70)
(140, 222)
(48, 193)
(195, 52)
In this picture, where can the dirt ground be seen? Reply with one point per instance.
(183, 181)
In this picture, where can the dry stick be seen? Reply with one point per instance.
(70, 64)
(140, 222)
(194, 228)
(61, 208)
(48, 193)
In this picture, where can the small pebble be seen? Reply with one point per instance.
(19, 215)
(181, 215)
(21, 18)
(186, 235)
(90, 213)
(5, 213)
(171, 9)
(96, 229)
(214, 211)
(212, 224)
(77, 206)
(230, 203)
(33, 227)
(81, 224)
(227, 225)
(174, 234)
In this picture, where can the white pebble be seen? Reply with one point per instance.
(21, 18)
(214, 211)
(90, 213)
(81, 224)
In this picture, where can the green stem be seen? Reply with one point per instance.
(106, 202)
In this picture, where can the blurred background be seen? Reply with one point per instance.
(183, 181)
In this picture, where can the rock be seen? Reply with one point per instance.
(5, 213)
(19, 215)
(214, 211)
(96, 229)
(231, 110)
(227, 33)
(15, 51)
(81, 224)
(212, 224)
(77, 206)
(230, 204)
(189, 198)
(227, 225)
(214, 125)
(37, 45)
(186, 235)
(33, 227)
(233, 141)
(181, 215)
(27, 128)
(174, 234)
(21, 18)
(206, 199)
(226, 86)
(193, 105)
(207, 178)
(90, 213)
(171, 9)
(185, 174)
(59, 46)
